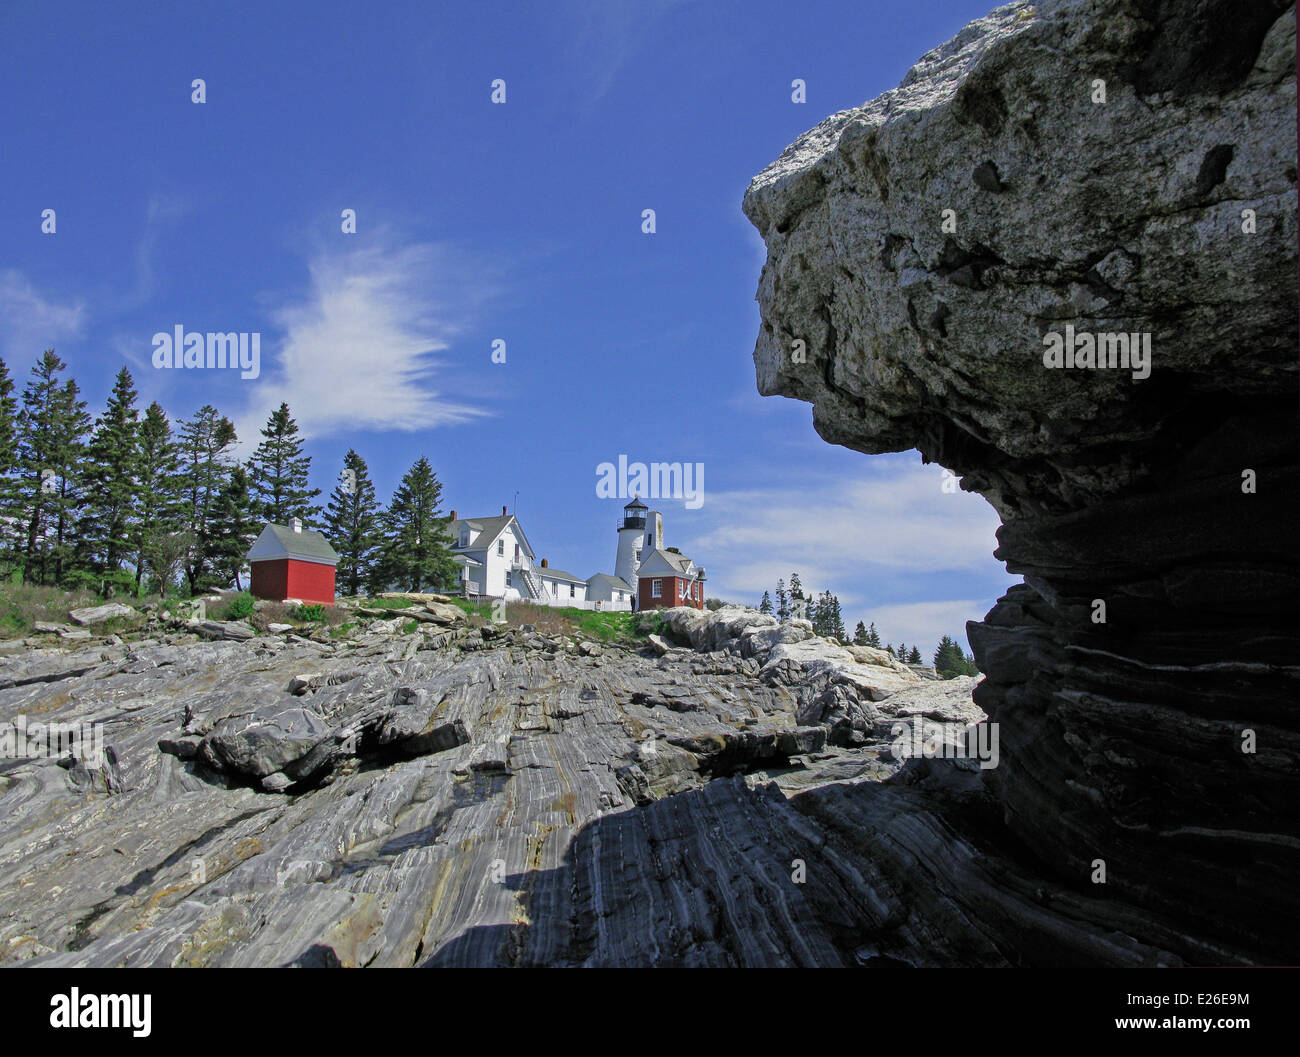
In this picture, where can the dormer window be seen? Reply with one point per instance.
(464, 537)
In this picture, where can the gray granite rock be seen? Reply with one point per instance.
(923, 250)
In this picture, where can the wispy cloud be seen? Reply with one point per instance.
(31, 322)
(892, 526)
(606, 36)
(360, 346)
(923, 623)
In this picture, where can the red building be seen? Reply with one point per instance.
(290, 563)
(666, 579)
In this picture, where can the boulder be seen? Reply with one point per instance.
(93, 615)
(236, 630)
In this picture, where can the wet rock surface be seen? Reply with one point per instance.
(1163, 740)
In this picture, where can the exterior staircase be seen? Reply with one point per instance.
(533, 582)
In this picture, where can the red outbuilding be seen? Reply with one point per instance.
(667, 579)
(292, 564)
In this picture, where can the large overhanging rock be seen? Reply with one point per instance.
(1111, 168)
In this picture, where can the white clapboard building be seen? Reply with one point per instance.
(497, 561)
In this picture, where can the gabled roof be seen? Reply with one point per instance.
(557, 574)
(605, 580)
(280, 541)
(663, 563)
(488, 529)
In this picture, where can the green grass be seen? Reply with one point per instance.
(389, 603)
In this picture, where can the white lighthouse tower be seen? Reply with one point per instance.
(633, 541)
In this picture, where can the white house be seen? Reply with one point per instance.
(495, 557)
(497, 561)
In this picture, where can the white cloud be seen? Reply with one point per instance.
(923, 623)
(605, 37)
(31, 323)
(360, 347)
(898, 518)
(865, 538)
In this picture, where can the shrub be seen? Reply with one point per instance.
(307, 612)
(241, 607)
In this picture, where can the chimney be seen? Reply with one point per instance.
(544, 565)
(295, 524)
(454, 517)
(503, 510)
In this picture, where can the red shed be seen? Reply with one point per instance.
(291, 563)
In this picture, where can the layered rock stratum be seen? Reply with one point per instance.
(1111, 166)
(458, 796)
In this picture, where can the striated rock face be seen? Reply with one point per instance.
(1166, 491)
(457, 796)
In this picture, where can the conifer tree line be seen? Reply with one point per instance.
(133, 502)
(824, 612)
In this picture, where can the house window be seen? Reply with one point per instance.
(696, 592)
(638, 556)
(656, 588)
(464, 537)
(508, 584)
(501, 548)
(572, 591)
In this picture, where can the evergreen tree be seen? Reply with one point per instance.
(949, 661)
(159, 487)
(796, 590)
(110, 486)
(810, 614)
(9, 529)
(415, 550)
(915, 656)
(782, 602)
(873, 636)
(835, 619)
(765, 606)
(51, 434)
(230, 529)
(352, 524)
(860, 635)
(278, 473)
(205, 443)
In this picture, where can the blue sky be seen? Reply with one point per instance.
(476, 222)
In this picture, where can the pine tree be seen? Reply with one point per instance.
(205, 443)
(835, 619)
(231, 529)
(915, 656)
(352, 524)
(415, 550)
(110, 486)
(873, 636)
(159, 487)
(860, 635)
(810, 614)
(51, 434)
(765, 606)
(949, 661)
(278, 473)
(9, 529)
(782, 602)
